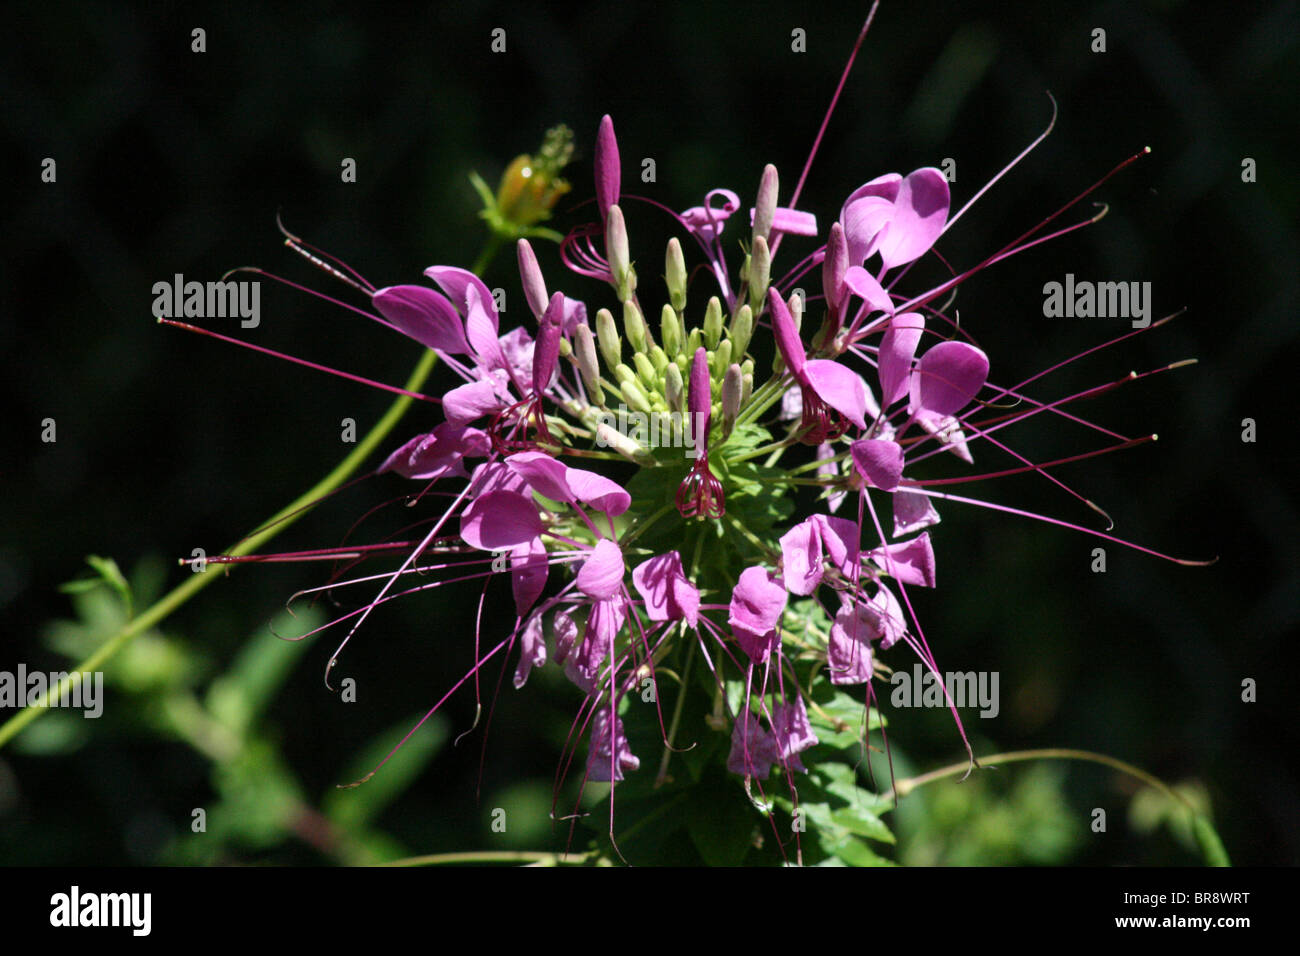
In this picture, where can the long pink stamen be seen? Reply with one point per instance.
(297, 361)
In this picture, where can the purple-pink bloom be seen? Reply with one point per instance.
(911, 561)
(668, 593)
(757, 603)
(609, 749)
(438, 454)
(808, 545)
(896, 216)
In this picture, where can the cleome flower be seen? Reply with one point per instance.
(700, 554)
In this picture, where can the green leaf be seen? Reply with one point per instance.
(107, 573)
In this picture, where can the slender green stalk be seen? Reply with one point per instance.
(529, 857)
(200, 580)
(1210, 844)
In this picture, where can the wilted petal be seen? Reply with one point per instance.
(601, 573)
(911, 562)
(948, 376)
(609, 749)
(604, 621)
(424, 315)
(839, 387)
(948, 430)
(879, 461)
(890, 619)
(532, 649)
(500, 520)
(668, 593)
(707, 221)
(912, 512)
(752, 748)
(849, 649)
(566, 635)
(791, 732)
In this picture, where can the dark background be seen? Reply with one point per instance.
(171, 161)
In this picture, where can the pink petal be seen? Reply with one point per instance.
(920, 213)
(840, 540)
(757, 601)
(912, 512)
(948, 376)
(467, 403)
(424, 315)
(787, 336)
(879, 461)
(668, 594)
(849, 649)
(839, 387)
(481, 329)
(456, 283)
(865, 286)
(500, 520)
(888, 614)
(801, 558)
(529, 568)
(792, 221)
(545, 475)
(601, 575)
(911, 562)
(603, 494)
(897, 349)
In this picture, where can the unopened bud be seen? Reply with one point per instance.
(616, 251)
(670, 330)
(742, 329)
(645, 369)
(611, 346)
(674, 388)
(623, 373)
(765, 207)
(585, 352)
(760, 271)
(712, 323)
(796, 310)
(530, 274)
(609, 437)
(720, 358)
(634, 325)
(659, 358)
(675, 274)
(635, 396)
(746, 387)
(733, 387)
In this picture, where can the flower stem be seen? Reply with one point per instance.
(529, 857)
(1211, 846)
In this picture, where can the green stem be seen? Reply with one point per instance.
(1208, 839)
(533, 857)
(267, 530)
(200, 580)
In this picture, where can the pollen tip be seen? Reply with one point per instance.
(1155, 437)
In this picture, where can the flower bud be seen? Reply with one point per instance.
(670, 330)
(760, 272)
(675, 274)
(765, 207)
(742, 329)
(834, 267)
(674, 388)
(732, 392)
(746, 387)
(607, 169)
(616, 252)
(635, 395)
(531, 276)
(611, 346)
(585, 349)
(623, 373)
(720, 357)
(659, 358)
(645, 369)
(700, 400)
(712, 323)
(634, 326)
(632, 450)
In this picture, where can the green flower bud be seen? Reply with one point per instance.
(616, 251)
(733, 388)
(645, 369)
(720, 358)
(629, 448)
(765, 205)
(623, 373)
(660, 359)
(746, 386)
(674, 389)
(634, 325)
(675, 274)
(585, 353)
(611, 346)
(635, 396)
(712, 325)
(760, 272)
(670, 330)
(742, 329)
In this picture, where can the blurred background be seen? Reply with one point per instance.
(171, 161)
